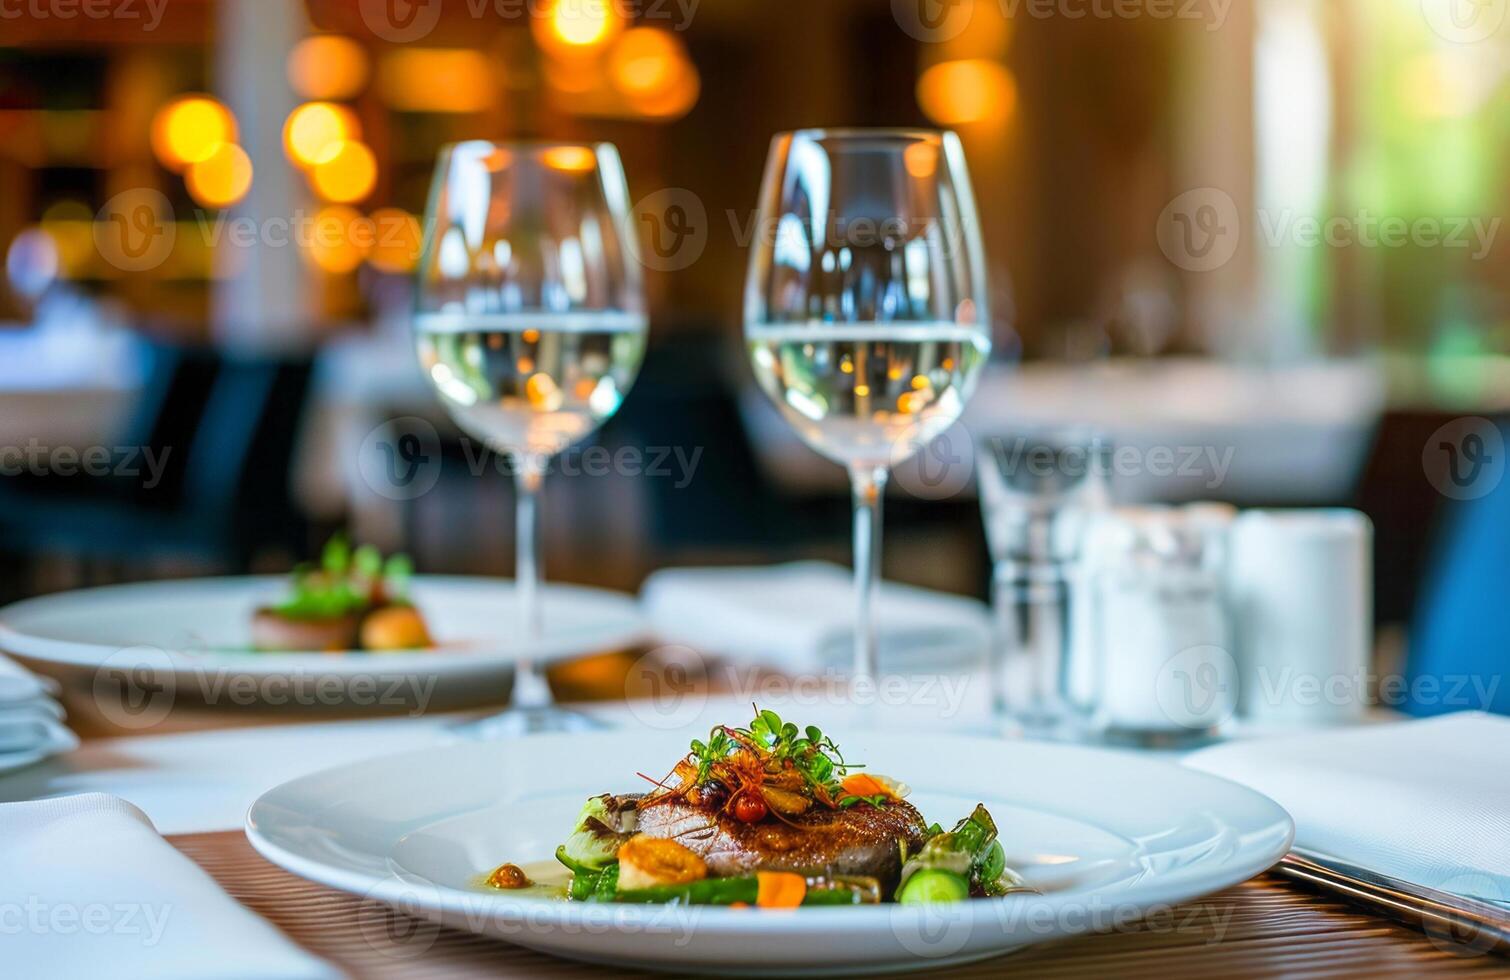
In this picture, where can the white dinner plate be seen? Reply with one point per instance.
(1106, 837)
(195, 635)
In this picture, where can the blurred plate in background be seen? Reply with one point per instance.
(194, 637)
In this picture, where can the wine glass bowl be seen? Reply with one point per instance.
(530, 324)
(866, 314)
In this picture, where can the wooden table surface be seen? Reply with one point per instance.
(1268, 927)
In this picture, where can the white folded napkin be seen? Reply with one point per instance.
(31, 722)
(1426, 802)
(90, 890)
(801, 616)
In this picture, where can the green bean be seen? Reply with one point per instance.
(727, 891)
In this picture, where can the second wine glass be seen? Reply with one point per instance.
(530, 327)
(865, 309)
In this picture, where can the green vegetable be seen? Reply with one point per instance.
(994, 864)
(346, 582)
(727, 891)
(594, 886)
(933, 885)
(961, 853)
(594, 844)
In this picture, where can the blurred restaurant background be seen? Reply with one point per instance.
(1193, 214)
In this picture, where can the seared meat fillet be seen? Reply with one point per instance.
(861, 840)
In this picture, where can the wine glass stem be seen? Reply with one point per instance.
(531, 689)
(869, 488)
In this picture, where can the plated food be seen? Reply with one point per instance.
(1103, 836)
(772, 816)
(353, 600)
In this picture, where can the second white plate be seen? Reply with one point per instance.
(194, 634)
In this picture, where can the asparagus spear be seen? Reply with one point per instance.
(727, 891)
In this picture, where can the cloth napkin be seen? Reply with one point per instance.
(1427, 802)
(31, 722)
(89, 889)
(801, 616)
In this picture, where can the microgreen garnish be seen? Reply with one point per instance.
(718, 747)
(775, 747)
(347, 581)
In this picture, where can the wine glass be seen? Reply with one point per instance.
(865, 308)
(531, 328)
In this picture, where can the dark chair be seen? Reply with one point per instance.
(222, 431)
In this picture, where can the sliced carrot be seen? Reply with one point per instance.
(861, 784)
(739, 905)
(779, 889)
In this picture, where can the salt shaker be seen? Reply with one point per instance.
(1160, 628)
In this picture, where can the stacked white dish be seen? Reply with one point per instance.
(31, 721)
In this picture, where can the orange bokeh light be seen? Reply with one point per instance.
(971, 90)
(316, 129)
(347, 173)
(921, 159)
(191, 129)
(577, 24)
(569, 159)
(650, 68)
(396, 241)
(221, 179)
(327, 66)
(439, 80)
(645, 61)
(340, 240)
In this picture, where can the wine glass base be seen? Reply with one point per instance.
(537, 720)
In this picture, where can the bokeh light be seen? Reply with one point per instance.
(32, 263)
(327, 66)
(315, 130)
(345, 174)
(221, 179)
(651, 69)
(339, 240)
(569, 159)
(191, 129)
(396, 241)
(921, 160)
(645, 61)
(972, 90)
(580, 25)
(439, 80)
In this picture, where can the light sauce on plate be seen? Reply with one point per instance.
(548, 879)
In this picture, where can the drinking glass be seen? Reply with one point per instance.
(866, 308)
(531, 327)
